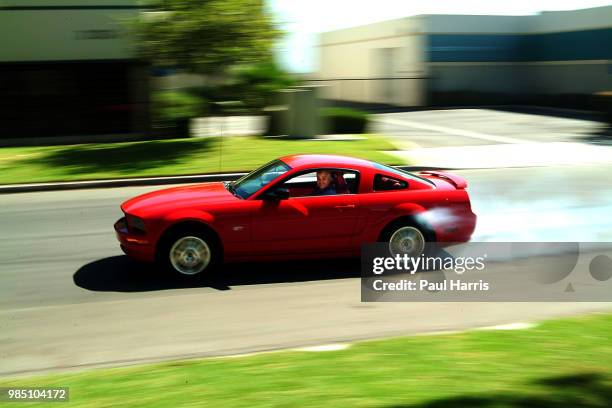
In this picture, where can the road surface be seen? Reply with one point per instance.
(68, 298)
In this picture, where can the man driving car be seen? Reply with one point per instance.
(325, 184)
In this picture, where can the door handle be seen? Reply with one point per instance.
(342, 207)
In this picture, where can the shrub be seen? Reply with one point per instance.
(172, 110)
(254, 85)
(344, 120)
(170, 106)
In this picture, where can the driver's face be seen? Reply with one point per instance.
(324, 179)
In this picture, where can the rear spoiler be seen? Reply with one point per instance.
(459, 182)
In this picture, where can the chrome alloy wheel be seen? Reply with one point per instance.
(190, 255)
(407, 240)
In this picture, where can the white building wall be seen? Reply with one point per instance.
(373, 63)
(572, 77)
(351, 53)
(458, 24)
(64, 35)
(530, 77)
(68, 69)
(479, 77)
(496, 77)
(572, 20)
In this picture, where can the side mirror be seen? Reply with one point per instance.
(278, 193)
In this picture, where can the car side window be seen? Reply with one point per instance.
(339, 182)
(386, 183)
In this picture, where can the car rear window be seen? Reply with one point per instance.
(402, 173)
(386, 183)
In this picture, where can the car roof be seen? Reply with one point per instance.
(324, 160)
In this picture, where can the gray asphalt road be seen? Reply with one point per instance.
(68, 298)
(471, 127)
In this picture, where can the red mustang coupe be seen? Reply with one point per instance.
(296, 207)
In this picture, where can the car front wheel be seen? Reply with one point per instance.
(190, 254)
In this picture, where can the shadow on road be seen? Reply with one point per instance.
(593, 116)
(601, 135)
(588, 390)
(121, 274)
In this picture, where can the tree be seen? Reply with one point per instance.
(205, 36)
(256, 83)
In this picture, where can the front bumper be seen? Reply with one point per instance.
(135, 246)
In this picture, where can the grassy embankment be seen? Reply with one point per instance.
(565, 362)
(169, 157)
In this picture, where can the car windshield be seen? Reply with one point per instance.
(400, 172)
(247, 185)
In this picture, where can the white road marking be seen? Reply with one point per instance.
(509, 326)
(449, 130)
(325, 347)
(508, 155)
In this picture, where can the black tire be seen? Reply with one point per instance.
(190, 240)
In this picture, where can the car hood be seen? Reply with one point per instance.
(178, 197)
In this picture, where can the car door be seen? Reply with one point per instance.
(305, 224)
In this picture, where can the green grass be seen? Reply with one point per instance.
(168, 157)
(561, 363)
(344, 112)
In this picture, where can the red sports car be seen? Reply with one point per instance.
(296, 207)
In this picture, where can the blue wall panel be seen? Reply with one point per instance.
(564, 46)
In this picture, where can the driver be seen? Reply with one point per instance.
(324, 184)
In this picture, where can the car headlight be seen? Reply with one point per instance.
(135, 224)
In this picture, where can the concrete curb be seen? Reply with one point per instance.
(129, 182)
(143, 181)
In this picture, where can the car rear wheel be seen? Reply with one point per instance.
(407, 238)
(190, 254)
